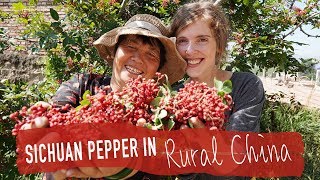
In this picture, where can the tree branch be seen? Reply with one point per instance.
(294, 29)
(123, 6)
(292, 3)
(299, 25)
(309, 35)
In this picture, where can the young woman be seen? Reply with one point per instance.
(201, 30)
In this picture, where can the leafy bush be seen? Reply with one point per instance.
(4, 41)
(13, 96)
(293, 117)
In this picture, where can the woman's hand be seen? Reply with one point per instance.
(196, 123)
(94, 172)
(39, 122)
(142, 123)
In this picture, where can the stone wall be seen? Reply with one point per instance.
(19, 65)
(40, 2)
(14, 30)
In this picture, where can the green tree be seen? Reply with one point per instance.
(67, 40)
(260, 29)
(309, 67)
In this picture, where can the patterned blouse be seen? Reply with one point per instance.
(71, 91)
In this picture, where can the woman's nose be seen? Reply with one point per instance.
(138, 57)
(190, 48)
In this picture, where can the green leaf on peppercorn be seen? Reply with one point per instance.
(85, 101)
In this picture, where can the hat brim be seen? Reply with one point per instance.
(174, 67)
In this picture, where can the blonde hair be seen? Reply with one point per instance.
(206, 10)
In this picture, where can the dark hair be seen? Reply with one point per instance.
(154, 42)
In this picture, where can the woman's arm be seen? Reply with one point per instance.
(248, 95)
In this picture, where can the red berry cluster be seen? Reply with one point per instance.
(198, 100)
(27, 116)
(128, 105)
(134, 102)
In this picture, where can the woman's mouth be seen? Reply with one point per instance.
(133, 70)
(194, 61)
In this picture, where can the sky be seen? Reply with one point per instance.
(312, 50)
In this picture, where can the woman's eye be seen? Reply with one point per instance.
(153, 55)
(131, 46)
(203, 40)
(182, 41)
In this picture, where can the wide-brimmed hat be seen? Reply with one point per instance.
(146, 25)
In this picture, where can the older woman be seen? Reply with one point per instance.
(140, 47)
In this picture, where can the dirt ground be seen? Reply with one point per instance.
(305, 92)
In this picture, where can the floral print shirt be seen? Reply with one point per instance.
(71, 91)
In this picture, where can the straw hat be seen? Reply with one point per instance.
(146, 25)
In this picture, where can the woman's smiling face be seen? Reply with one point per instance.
(134, 57)
(197, 45)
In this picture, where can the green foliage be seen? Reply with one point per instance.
(67, 38)
(13, 96)
(260, 29)
(4, 41)
(223, 87)
(292, 117)
(309, 69)
(85, 101)
(4, 15)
